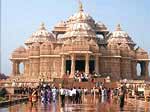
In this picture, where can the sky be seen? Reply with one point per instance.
(20, 18)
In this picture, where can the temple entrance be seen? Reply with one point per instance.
(80, 65)
(68, 66)
(92, 66)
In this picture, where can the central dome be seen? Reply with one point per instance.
(80, 29)
(80, 25)
(81, 16)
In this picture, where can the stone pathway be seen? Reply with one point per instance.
(90, 104)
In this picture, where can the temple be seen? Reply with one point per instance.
(79, 44)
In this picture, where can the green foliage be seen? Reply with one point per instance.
(3, 92)
(2, 99)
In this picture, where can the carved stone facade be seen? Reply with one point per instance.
(79, 43)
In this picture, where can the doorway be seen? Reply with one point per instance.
(80, 65)
(68, 66)
(92, 66)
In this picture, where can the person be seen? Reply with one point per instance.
(42, 96)
(30, 97)
(102, 95)
(54, 94)
(74, 95)
(122, 96)
(62, 95)
(70, 95)
(49, 94)
(80, 95)
(34, 97)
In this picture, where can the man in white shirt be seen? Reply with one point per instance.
(62, 95)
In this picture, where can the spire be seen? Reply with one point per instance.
(118, 28)
(80, 6)
(42, 26)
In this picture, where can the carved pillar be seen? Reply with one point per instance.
(30, 67)
(26, 67)
(146, 70)
(13, 68)
(134, 69)
(72, 65)
(17, 68)
(97, 64)
(63, 65)
(87, 64)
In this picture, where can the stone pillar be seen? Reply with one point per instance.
(13, 68)
(17, 68)
(72, 65)
(30, 67)
(146, 70)
(26, 67)
(134, 69)
(63, 65)
(87, 64)
(97, 64)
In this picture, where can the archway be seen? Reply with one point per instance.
(92, 66)
(80, 65)
(68, 66)
(140, 68)
(21, 68)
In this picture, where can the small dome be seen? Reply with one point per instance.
(20, 49)
(140, 50)
(100, 25)
(119, 32)
(42, 35)
(120, 37)
(20, 52)
(61, 24)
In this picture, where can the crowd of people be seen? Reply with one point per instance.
(48, 94)
(81, 76)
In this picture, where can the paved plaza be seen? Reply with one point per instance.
(89, 104)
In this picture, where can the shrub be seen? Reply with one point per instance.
(3, 92)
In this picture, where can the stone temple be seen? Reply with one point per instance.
(79, 43)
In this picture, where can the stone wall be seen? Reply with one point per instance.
(125, 68)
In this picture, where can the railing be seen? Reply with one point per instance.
(13, 99)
